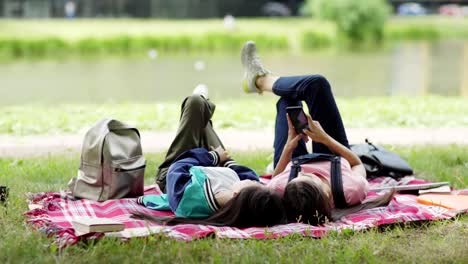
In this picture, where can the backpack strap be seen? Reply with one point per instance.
(298, 161)
(337, 183)
(335, 174)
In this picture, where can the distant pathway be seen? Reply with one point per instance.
(14, 146)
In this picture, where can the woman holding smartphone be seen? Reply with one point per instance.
(308, 198)
(203, 184)
(234, 197)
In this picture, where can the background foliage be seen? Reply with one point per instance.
(358, 20)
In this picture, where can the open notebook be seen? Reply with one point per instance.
(414, 187)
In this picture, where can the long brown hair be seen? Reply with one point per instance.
(252, 207)
(308, 203)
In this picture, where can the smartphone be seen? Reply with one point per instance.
(298, 118)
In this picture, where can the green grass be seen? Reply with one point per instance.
(434, 242)
(111, 37)
(244, 114)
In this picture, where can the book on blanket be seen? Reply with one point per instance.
(442, 189)
(86, 225)
(413, 187)
(449, 201)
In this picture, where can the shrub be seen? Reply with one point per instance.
(358, 20)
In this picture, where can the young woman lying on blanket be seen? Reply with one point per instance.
(233, 196)
(208, 187)
(308, 197)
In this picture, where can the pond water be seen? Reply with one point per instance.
(416, 68)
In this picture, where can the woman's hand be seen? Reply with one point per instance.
(293, 137)
(222, 153)
(291, 144)
(316, 132)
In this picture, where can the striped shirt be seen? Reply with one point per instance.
(219, 179)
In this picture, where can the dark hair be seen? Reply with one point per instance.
(252, 207)
(305, 202)
(308, 203)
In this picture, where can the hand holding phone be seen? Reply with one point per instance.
(298, 118)
(316, 132)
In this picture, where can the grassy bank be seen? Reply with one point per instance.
(253, 113)
(61, 38)
(435, 242)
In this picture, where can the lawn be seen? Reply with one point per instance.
(239, 114)
(435, 242)
(110, 37)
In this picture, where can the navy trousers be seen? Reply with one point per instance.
(316, 92)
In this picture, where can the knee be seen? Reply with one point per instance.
(324, 83)
(321, 86)
(284, 102)
(194, 101)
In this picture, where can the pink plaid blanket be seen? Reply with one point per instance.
(52, 213)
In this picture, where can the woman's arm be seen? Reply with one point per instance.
(283, 161)
(291, 144)
(317, 134)
(353, 159)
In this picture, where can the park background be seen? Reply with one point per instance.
(400, 75)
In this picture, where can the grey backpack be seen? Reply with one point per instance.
(112, 164)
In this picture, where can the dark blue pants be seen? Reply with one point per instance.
(316, 92)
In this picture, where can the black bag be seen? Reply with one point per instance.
(381, 162)
(3, 194)
(335, 174)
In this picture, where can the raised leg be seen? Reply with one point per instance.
(195, 131)
(316, 92)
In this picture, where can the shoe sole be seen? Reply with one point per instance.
(245, 86)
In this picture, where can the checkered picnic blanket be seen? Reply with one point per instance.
(52, 213)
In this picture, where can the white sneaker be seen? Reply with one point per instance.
(202, 90)
(253, 67)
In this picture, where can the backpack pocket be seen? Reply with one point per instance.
(128, 177)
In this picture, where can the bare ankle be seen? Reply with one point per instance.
(265, 83)
(260, 81)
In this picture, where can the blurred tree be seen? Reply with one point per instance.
(145, 8)
(184, 8)
(242, 7)
(359, 20)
